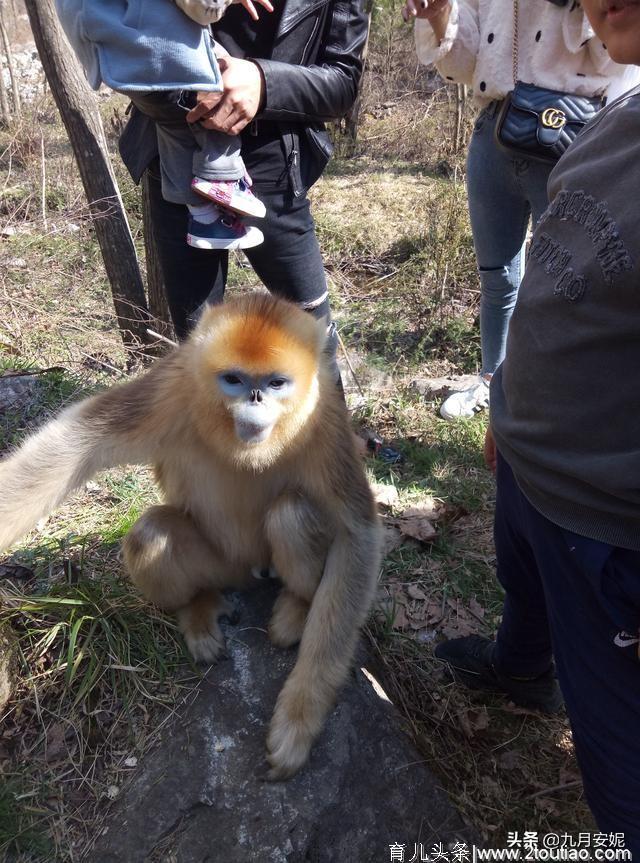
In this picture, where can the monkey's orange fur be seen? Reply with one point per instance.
(297, 501)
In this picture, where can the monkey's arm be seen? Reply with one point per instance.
(119, 426)
(338, 610)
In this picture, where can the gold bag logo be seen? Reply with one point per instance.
(553, 118)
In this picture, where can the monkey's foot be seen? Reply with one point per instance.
(288, 619)
(198, 622)
(295, 724)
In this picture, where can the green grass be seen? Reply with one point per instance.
(100, 669)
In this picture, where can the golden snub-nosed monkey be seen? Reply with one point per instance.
(252, 448)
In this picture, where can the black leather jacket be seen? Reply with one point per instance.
(312, 76)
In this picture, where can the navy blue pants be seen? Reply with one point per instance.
(579, 600)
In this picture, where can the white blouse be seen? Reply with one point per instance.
(557, 49)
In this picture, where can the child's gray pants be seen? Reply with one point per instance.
(187, 150)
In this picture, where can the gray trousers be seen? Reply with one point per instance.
(187, 150)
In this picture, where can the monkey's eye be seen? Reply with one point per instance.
(278, 383)
(232, 380)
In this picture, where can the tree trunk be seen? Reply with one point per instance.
(5, 112)
(82, 121)
(15, 89)
(155, 283)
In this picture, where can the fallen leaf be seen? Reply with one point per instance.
(473, 721)
(400, 620)
(14, 570)
(427, 508)
(55, 746)
(434, 611)
(476, 609)
(418, 527)
(392, 538)
(386, 495)
(415, 592)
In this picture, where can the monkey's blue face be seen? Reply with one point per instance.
(254, 401)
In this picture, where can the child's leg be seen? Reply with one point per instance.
(178, 149)
(177, 146)
(218, 155)
(219, 173)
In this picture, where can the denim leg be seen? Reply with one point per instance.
(502, 192)
(177, 145)
(217, 157)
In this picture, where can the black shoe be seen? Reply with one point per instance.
(470, 661)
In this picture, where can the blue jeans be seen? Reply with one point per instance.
(580, 600)
(504, 192)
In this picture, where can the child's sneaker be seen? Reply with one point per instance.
(227, 232)
(234, 195)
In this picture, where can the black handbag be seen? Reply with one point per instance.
(540, 123)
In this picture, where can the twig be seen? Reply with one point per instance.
(574, 784)
(43, 183)
(351, 368)
(102, 363)
(165, 339)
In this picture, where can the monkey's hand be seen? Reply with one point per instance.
(295, 724)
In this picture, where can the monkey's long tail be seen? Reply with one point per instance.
(49, 465)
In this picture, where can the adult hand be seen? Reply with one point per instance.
(435, 11)
(233, 109)
(490, 451)
(251, 9)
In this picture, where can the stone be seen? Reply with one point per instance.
(17, 391)
(8, 664)
(432, 388)
(201, 795)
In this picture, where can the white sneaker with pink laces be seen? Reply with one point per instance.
(234, 195)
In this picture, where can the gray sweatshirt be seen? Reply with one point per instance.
(565, 404)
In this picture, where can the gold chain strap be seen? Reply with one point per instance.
(516, 17)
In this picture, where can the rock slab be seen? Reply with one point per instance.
(200, 796)
(8, 664)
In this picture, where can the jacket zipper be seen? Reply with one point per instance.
(292, 158)
(292, 166)
(310, 40)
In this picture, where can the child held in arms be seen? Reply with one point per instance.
(564, 441)
(161, 54)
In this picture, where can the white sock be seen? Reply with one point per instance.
(204, 213)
